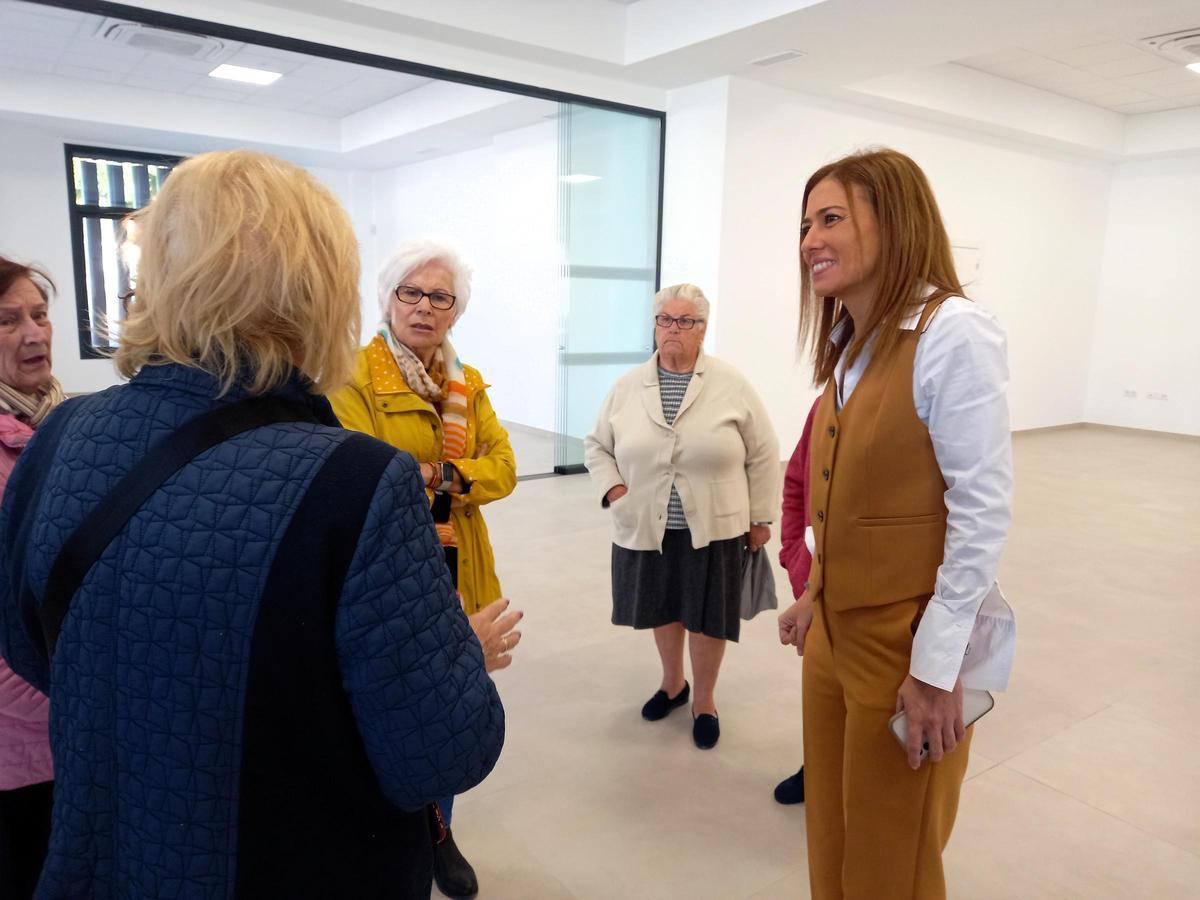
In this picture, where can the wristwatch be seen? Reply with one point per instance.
(447, 472)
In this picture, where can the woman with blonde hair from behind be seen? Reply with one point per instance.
(252, 633)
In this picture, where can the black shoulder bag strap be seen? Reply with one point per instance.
(164, 459)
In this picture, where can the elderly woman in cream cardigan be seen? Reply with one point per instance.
(684, 457)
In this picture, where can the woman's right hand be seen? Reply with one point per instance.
(494, 628)
(794, 622)
(615, 493)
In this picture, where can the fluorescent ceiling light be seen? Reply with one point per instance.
(578, 179)
(242, 73)
(1195, 67)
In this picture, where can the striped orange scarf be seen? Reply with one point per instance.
(443, 385)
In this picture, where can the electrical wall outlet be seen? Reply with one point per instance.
(1156, 396)
(1129, 393)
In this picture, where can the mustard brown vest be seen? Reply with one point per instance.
(877, 503)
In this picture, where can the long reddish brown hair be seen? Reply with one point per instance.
(914, 253)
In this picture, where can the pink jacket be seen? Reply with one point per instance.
(793, 551)
(24, 710)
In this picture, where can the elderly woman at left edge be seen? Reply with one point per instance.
(28, 392)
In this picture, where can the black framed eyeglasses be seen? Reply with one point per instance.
(686, 323)
(411, 294)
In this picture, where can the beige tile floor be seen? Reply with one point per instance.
(1084, 782)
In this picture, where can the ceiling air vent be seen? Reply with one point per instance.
(1179, 46)
(160, 40)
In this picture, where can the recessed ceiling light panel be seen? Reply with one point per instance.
(245, 74)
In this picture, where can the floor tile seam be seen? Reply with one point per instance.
(1171, 730)
(1104, 812)
(984, 771)
(1012, 756)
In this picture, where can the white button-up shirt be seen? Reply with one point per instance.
(960, 376)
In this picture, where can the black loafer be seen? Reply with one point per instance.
(791, 790)
(706, 730)
(658, 706)
(451, 871)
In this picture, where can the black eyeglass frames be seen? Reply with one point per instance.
(686, 323)
(411, 294)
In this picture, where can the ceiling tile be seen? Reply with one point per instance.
(30, 40)
(1032, 65)
(326, 75)
(1145, 106)
(1178, 90)
(1122, 96)
(172, 84)
(1134, 65)
(1148, 81)
(1001, 58)
(286, 103)
(13, 54)
(1095, 54)
(13, 20)
(33, 64)
(92, 76)
(213, 91)
(104, 58)
(1091, 91)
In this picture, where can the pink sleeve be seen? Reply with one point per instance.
(19, 699)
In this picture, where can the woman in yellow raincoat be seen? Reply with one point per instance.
(411, 390)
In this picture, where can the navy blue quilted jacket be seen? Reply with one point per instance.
(209, 742)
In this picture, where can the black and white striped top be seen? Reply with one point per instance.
(671, 388)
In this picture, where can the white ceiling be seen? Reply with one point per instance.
(1106, 69)
(1066, 74)
(673, 43)
(47, 40)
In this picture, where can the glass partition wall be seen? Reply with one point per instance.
(608, 216)
(553, 198)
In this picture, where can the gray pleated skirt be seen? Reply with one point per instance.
(700, 588)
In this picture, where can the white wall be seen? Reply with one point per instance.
(692, 189)
(1038, 216)
(500, 205)
(37, 228)
(1148, 316)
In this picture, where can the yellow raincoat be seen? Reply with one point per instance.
(378, 402)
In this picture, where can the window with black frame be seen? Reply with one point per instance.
(105, 187)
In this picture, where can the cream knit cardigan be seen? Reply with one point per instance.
(721, 454)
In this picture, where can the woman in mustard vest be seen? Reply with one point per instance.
(411, 390)
(911, 486)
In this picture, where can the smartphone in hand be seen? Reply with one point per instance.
(976, 704)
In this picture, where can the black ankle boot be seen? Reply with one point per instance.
(451, 871)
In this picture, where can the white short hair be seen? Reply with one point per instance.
(411, 255)
(683, 292)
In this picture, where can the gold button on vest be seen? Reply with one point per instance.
(877, 509)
